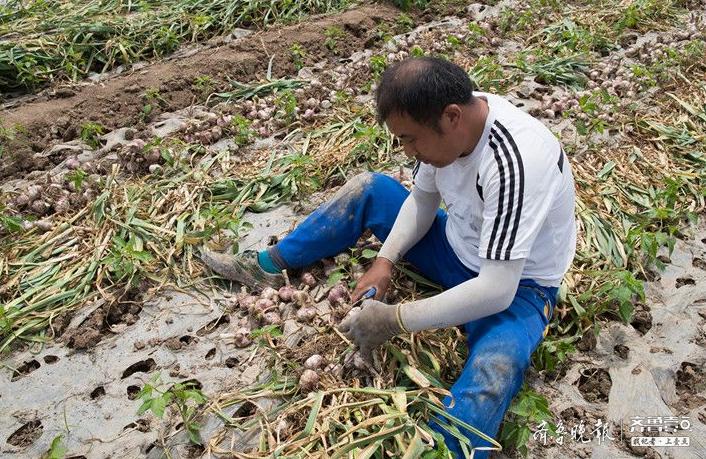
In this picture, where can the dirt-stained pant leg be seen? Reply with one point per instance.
(337, 224)
(500, 347)
(369, 200)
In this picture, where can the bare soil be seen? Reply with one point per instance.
(119, 101)
(594, 384)
(85, 333)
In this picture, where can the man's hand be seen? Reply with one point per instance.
(377, 276)
(374, 324)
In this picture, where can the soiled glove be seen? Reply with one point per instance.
(375, 323)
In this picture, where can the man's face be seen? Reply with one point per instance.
(424, 143)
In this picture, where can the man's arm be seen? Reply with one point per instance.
(413, 221)
(489, 293)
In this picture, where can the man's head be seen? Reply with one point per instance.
(423, 101)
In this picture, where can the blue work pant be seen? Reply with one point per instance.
(499, 346)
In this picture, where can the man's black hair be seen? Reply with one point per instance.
(422, 87)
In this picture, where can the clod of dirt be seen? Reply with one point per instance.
(51, 359)
(588, 341)
(656, 349)
(642, 321)
(699, 263)
(210, 354)
(173, 343)
(25, 369)
(575, 414)
(97, 325)
(83, 338)
(143, 366)
(682, 281)
(27, 434)
(232, 362)
(691, 380)
(97, 392)
(594, 384)
(621, 351)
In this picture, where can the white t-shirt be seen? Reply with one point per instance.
(512, 197)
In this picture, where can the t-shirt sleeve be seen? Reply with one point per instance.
(424, 177)
(518, 188)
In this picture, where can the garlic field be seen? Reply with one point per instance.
(135, 133)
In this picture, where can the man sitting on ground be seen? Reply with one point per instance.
(500, 248)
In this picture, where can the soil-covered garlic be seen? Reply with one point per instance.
(272, 318)
(338, 294)
(306, 314)
(314, 362)
(308, 279)
(285, 293)
(308, 381)
(242, 337)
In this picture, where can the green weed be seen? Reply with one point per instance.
(77, 177)
(90, 133)
(333, 35)
(528, 409)
(487, 74)
(512, 20)
(404, 23)
(406, 5)
(286, 103)
(186, 397)
(298, 54)
(204, 84)
(57, 449)
(568, 36)
(476, 32)
(593, 105)
(416, 51)
(644, 14)
(568, 70)
(10, 223)
(263, 334)
(378, 64)
(618, 289)
(127, 259)
(152, 99)
(453, 42)
(552, 351)
(241, 131)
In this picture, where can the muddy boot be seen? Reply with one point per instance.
(242, 268)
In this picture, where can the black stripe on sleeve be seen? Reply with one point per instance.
(511, 195)
(560, 163)
(521, 188)
(501, 198)
(415, 170)
(478, 187)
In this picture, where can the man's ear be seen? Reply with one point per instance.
(452, 114)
